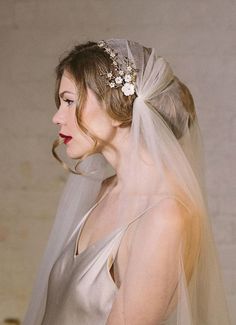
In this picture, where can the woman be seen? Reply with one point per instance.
(131, 243)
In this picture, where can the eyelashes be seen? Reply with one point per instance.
(68, 101)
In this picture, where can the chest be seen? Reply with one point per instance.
(99, 224)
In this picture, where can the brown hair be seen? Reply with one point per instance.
(85, 62)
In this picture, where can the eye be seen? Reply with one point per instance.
(68, 101)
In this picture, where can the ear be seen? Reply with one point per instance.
(115, 123)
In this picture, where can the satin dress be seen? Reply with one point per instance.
(81, 290)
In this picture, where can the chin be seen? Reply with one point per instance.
(74, 154)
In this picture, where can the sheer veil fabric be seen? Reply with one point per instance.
(160, 160)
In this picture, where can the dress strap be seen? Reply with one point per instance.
(155, 204)
(124, 229)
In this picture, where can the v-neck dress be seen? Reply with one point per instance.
(81, 290)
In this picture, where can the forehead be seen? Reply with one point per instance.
(67, 83)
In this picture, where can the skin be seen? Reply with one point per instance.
(150, 272)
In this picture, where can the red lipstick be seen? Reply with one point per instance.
(66, 138)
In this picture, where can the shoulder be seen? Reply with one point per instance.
(169, 217)
(170, 210)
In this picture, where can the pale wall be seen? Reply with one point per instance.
(196, 37)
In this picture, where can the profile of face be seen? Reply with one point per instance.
(94, 118)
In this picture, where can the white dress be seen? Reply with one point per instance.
(81, 289)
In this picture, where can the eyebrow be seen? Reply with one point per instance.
(66, 91)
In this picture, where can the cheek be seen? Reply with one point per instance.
(71, 126)
(80, 143)
(100, 125)
(84, 141)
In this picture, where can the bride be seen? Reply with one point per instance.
(131, 242)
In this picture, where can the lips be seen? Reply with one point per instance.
(66, 138)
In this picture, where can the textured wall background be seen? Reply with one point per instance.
(196, 37)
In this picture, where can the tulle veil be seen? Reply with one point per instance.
(198, 294)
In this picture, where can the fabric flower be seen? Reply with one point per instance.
(128, 78)
(129, 68)
(112, 54)
(118, 80)
(128, 89)
(121, 72)
(108, 50)
(112, 84)
(109, 75)
(101, 43)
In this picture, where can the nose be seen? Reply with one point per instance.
(58, 117)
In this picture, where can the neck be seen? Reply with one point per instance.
(120, 158)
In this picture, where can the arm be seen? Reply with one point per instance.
(151, 275)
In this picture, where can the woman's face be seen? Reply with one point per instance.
(94, 118)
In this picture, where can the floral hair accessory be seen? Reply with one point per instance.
(124, 73)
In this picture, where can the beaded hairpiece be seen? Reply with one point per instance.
(124, 74)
